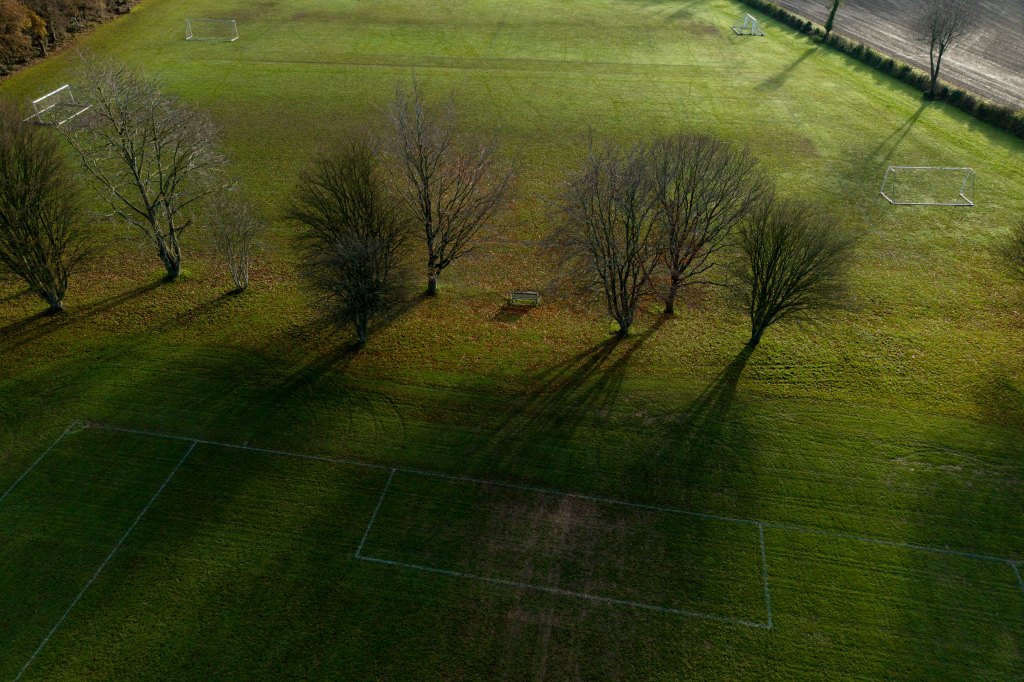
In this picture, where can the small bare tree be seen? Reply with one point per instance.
(793, 264)
(1013, 251)
(40, 211)
(942, 23)
(235, 229)
(353, 236)
(830, 21)
(452, 188)
(152, 157)
(705, 187)
(610, 237)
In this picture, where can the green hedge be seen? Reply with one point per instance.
(1004, 117)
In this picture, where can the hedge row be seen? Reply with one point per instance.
(998, 115)
(30, 28)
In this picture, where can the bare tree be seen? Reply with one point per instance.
(234, 230)
(832, 16)
(153, 158)
(705, 187)
(452, 188)
(1013, 251)
(793, 264)
(353, 237)
(40, 212)
(610, 234)
(942, 23)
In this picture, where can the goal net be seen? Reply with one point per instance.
(928, 186)
(749, 27)
(57, 107)
(225, 30)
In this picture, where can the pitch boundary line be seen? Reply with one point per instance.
(551, 589)
(71, 427)
(373, 517)
(103, 565)
(553, 491)
(569, 593)
(1015, 565)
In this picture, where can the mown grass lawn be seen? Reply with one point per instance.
(900, 420)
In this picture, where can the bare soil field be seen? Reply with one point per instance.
(989, 61)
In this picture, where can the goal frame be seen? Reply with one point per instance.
(966, 193)
(41, 110)
(749, 27)
(190, 33)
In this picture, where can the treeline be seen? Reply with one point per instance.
(31, 28)
(1007, 118)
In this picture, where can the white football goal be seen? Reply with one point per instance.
(225, 30)
(928, 186)
(57, 107)
(749, 27)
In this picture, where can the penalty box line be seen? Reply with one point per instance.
(103, 565)
(557, 590)
(809, 530)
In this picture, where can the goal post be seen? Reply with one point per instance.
(219, 30)
(749, 27)
(56, 108)
(928, 186)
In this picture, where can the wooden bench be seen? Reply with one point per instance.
(523, 298)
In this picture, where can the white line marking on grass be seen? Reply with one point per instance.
(569, 593)
(552, 491)
(72, 427)
(764, 575)
(1016, 572)
(376, 510)
(881, 541)
(106, 561)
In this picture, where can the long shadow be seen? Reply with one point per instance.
(701, 443)
(779, 79)
(897, 136)
(41, 324)
(539, 425)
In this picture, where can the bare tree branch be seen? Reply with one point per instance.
(610, 237)
(353, 236)
(152, 157)
(793, 264)
(941, 24)
(705, 188)
(234, 229)
(41, 241)
(453, 190)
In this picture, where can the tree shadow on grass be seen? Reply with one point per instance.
(887, 147)
(702, 447)
(41, 324)
(778, 80)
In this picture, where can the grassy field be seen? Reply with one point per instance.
(843, 476)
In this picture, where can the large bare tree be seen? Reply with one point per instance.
(353, 236)
(152, 157)
(41, 238)
(793, 264)
(705, 187)
(942, 23)
(610, 236)
(452, 187)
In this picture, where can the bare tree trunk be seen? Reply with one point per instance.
(432, 284)
(670, 299)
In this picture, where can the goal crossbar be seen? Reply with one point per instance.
(57, 107)
(227, 28)
(749, 27)
(961, 194)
